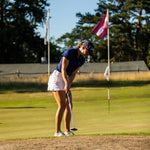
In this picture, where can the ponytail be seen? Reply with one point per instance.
(79, 44)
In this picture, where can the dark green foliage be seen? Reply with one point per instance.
(19, 41)
(129, 30)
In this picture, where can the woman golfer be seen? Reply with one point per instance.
(61, 79)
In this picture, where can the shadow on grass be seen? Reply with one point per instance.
(97, 83)
(20, 107)
(22, 87)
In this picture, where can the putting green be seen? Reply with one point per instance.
(32, 114)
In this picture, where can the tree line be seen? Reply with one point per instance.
(129, 24)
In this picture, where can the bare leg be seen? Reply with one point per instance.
(61, 101)
(67, 114)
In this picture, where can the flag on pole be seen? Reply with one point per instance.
(106, 73)
(101, 28)
(47, 27)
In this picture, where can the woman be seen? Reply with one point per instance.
(61, 79)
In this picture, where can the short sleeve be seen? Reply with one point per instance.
(66, 54)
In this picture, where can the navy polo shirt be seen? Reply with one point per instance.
(74, 62)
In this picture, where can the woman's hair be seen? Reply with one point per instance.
(79, 44)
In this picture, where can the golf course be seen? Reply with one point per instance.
(29, 113)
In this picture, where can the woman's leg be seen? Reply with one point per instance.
(67, 114)
(61, 101)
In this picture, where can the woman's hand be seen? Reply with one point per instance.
(67, 87)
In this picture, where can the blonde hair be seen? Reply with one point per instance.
(79, 44)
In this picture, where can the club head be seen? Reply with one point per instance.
(74, 129)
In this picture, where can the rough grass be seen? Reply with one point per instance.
(140, 76)
(87, 80)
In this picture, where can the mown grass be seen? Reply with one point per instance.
(27, 115)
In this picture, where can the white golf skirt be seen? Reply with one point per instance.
(56, 82)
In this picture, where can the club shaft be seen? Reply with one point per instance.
(70, 109)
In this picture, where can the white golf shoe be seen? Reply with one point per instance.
(58, 134)
(69, 133)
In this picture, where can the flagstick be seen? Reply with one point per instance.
(48, 49)
(108, 62)
(100, 30)
(108, 98)
(108, 43)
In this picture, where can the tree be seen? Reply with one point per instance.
(129, 18)
(19, 19)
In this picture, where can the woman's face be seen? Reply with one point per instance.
(84, 51)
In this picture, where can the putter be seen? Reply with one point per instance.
(73, 129)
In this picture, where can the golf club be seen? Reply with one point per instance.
(73, 129)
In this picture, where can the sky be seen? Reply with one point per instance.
(63, 15)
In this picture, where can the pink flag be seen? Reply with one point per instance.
(101, 28)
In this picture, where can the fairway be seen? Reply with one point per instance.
(26, 115)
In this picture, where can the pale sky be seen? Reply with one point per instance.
(63, 15)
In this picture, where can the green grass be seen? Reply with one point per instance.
(30, 114)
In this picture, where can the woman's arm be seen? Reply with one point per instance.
(71, 78)
(68, 83)
(65, 63)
